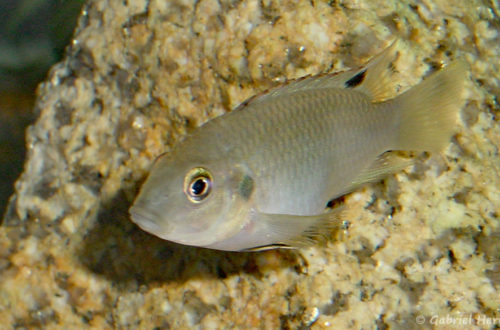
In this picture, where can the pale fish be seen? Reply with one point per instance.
(262, 175)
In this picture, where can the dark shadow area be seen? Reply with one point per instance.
(127, 256)
(15, 116)
(33, 36)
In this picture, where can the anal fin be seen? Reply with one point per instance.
(387, 163)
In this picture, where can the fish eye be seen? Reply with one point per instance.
(197, 184)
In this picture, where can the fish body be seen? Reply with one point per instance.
(262, 175)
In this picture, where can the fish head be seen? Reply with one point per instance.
(192, 201)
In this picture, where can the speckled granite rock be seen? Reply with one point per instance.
(423, 243)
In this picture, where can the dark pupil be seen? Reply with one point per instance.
(198, 187)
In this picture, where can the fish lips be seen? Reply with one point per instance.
(148, 221)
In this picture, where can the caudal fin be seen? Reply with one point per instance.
(428, 112)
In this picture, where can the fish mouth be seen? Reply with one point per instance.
(146, 220)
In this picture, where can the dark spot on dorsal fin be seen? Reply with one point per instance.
(356, 80)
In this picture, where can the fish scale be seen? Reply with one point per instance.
(309, 125)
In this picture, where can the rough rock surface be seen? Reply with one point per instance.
(424, 243)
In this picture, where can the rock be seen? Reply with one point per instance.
(138, 76)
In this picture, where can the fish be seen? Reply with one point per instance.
(263, 175)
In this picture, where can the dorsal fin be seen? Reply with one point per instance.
(377, 81)
(372, 79)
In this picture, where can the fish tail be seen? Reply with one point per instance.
(427, 113)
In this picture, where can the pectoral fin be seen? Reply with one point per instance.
(294, 231)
